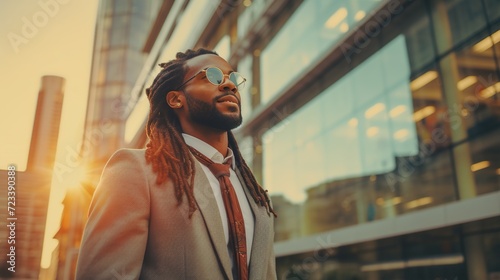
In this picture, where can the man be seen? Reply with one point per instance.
(187, 206)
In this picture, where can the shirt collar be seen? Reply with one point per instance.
(208, 150)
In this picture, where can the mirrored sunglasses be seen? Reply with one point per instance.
(216, 77)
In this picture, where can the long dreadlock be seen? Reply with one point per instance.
(168, 153)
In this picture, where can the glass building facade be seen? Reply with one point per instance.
(373, 124)
(122, 28)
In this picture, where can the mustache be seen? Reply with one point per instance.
(226, 94)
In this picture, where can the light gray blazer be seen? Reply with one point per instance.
(136, 229)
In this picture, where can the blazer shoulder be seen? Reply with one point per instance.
(116, 233)
(126, 166)
(137, 155)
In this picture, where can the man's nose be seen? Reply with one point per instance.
(228, 85)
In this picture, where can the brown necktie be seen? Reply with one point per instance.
(236, 223)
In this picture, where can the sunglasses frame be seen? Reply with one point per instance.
(223, 76)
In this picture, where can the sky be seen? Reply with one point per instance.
(37, 38)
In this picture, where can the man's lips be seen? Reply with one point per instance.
(229, 98)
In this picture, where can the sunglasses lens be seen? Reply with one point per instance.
(214, 75)
(237, 80)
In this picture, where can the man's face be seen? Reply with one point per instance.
(209, 105)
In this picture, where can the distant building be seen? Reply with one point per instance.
(33, 186)
(290, 214)
(46, 125)
(76, 203)
(122, 28)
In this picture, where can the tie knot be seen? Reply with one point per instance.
(219, 169)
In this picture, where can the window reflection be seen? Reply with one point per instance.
(450, 26)
(116, 64)
(313, 29)
(364, 151)
(413, 126)
(485, 162)
(355, 129)
(403, 131)
(492, 10)
(106, 31)
(252, 12)
(120, 28)
(122, 6)
(245, 68)
(134, 58)
(142, 7)
(222, 47)
(139, 30)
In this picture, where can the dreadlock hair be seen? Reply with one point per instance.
(166, 150)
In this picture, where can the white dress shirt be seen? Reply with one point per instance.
(217, 157)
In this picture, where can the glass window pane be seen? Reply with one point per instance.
(342, 151)
(246, 149)
(280, 176)
(116, 64)
(387, 131)
(105, 32)
(481, 164)
(491, 245)
(310, 165)
(250, 15)
(312, 30)
(122, 6)
(223, 47)
(374, 134)
(139, 31)
(449, 24)
(309, 119)
(372, 85)
(395, 63)
(384, 138)
(102, 69)
(403, 129)
(419, 39)
(135, 60)
(114, 94)
(119, 30)
(245, 68)
(492, 9)
(337, 102)
(108, 7)
(471, 86)
(141, 7)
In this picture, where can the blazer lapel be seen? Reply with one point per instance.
(207, 206)
(259, 258)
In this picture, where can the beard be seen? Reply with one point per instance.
(206, 114)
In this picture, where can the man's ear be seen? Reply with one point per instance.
(175, 99)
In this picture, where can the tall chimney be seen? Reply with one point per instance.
(46, 125)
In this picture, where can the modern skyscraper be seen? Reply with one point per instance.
(121, 31)
(32, 188)
(46, 125)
